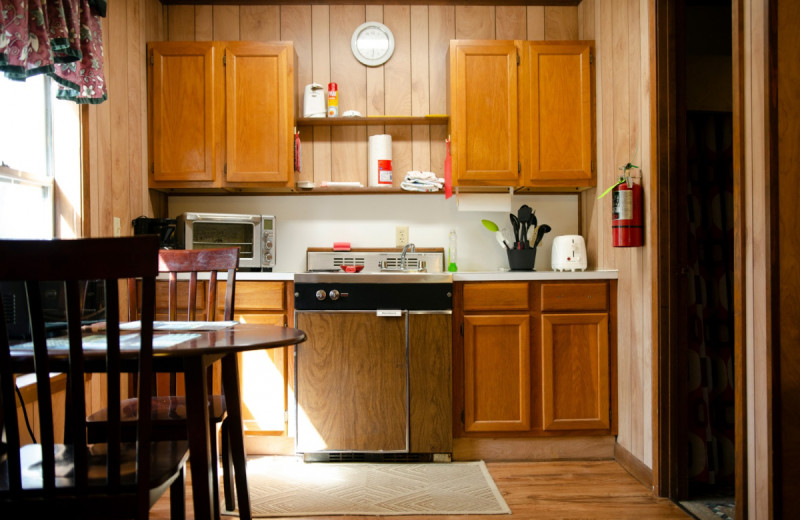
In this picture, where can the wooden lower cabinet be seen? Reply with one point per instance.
(265, 375)
(497, 373)
(575, 372)
(534, 358)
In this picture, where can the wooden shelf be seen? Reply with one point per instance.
(563, 3)
(377, 120)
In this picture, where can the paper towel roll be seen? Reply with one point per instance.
(380, 160)
(484, 202)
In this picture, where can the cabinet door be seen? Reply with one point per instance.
(351, 383)
(184, 115)
(259, 115)
(430, 382)
(557, 141)
(483, 113)
(497, 373)
(263, 374)
(575, 365)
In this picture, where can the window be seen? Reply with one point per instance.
(39, 161)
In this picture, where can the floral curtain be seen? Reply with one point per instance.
(61, 38)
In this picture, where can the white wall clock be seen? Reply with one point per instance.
(372, 44)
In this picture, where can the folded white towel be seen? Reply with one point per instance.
(421, 181)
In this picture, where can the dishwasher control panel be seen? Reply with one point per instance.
(373, 296)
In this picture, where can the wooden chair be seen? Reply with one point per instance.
(169, 408)
(115, 479)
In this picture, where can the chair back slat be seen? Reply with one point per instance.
(8, 399)
(114, 378)
(42, 370)
(72, 262)
(77, 422)
(144, 427)
(193, 262)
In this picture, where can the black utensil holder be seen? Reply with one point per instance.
(521, 259)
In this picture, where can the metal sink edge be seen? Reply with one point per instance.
(381, 277)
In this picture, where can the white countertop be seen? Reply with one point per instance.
(502, 276)
(244, 275)
(471, 276)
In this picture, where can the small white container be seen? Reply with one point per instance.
(314, 100)
(568, 253)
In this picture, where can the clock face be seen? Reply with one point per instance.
(372, 43)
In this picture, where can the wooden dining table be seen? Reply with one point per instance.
(191, 351)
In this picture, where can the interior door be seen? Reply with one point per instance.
(352, 382)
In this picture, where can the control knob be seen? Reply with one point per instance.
(320, 295)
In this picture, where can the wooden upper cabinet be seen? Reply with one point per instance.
(557, 115)
(522, 114)
(259, 113)
(221, 115)
(183, 122)
(483, 109)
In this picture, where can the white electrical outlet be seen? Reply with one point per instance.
(401, 236)
(117, 227)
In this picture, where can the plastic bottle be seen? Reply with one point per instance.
(451, 252)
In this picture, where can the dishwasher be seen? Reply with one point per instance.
(373, 379)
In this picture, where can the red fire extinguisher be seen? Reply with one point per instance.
(626, 215)
(627, 223)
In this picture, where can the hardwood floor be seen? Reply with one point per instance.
(545, 491)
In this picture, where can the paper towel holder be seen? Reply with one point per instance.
(495, 201)
(510, 189)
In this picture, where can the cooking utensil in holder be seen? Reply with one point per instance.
(521, 259)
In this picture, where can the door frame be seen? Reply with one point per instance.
(667, 368)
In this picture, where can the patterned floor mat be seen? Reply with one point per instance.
(719, 509)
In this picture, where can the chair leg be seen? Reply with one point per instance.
(215, 469)
(227, 468)
(177, 497)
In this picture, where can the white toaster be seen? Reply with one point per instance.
(568, 253)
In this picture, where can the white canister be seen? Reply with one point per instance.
(380, 161)
(314, 100)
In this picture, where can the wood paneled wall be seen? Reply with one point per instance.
(412, 83)
(621, 34)
(115, 132)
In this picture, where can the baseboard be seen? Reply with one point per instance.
(269, 445)
(503, 449)
(634, 466)
(534, 448)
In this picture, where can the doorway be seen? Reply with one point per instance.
(702, 247)
(698, 395)
(704, 184)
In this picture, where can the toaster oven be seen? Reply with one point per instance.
(253, 234)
